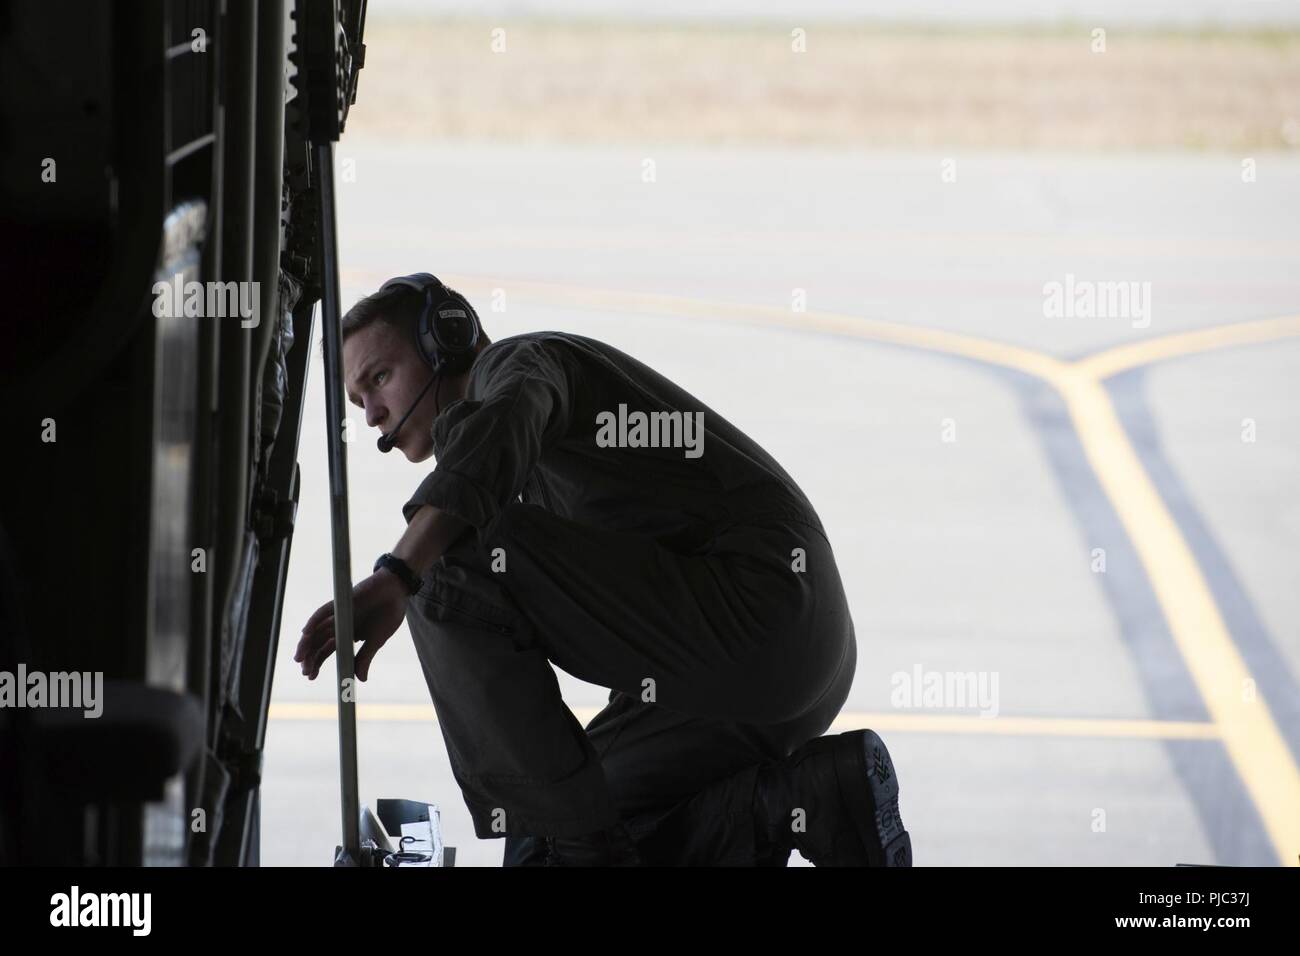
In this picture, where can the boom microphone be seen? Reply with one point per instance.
(386, 440)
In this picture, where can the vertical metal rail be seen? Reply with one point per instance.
(350, 853)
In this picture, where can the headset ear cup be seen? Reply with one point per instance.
(448, 340)
(455, 329)
(425, 340)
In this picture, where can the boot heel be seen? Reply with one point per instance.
(869, 788)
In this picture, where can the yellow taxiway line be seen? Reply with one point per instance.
(894, 721)
(1104, 364)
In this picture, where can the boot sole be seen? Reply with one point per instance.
(869, 788)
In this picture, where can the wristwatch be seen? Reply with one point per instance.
(403, 570)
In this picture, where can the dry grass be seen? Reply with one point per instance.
(855, 86)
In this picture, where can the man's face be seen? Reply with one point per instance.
(384, 374)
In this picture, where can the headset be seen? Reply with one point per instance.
(446, 335)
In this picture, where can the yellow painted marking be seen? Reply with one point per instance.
(1250, 734)
(1243, 719)
(847, 720)
(876, 330)
(1103, 365)
(1026, 726)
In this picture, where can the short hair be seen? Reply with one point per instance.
(399, 307)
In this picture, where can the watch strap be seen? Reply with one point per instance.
(392, 562)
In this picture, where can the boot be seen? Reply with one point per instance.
(846, 788)
(612, 847)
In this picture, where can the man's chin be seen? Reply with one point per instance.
(417, 455)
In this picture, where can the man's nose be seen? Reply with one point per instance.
(375, 414)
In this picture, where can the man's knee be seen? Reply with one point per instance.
(468, 588)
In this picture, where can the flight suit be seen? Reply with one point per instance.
(696, 583)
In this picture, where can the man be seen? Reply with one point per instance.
(588, 513)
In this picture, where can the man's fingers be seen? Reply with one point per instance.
(321, 646)
(371, 613)
(324, 616)
(326, 610)
(366, 654)
(310, 643)
(303, 650)
(320, 657)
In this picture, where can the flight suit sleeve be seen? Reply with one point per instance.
(518, 404)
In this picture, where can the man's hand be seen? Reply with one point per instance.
(378, 608)
(379, 602)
